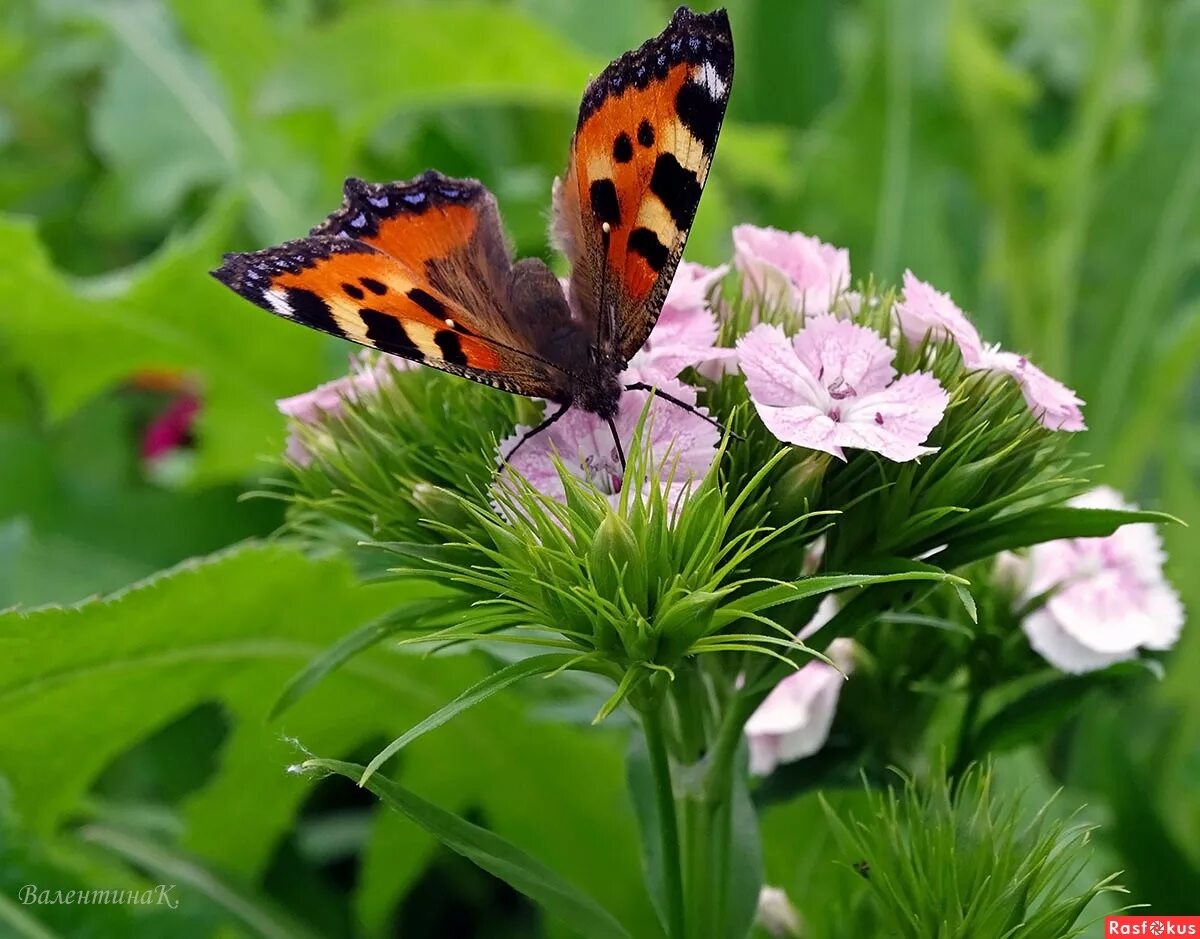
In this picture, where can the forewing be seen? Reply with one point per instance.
(355, 291)
(647, 130)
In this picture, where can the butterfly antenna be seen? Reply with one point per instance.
(642, 386)
(529, 434)
(617, 442)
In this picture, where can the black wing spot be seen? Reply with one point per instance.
(700, 114)
(427, 302)
(373, 285)
(352, 291)
(645, 134)
(388, 333)
(622, 148)
(677, 188)
(311, 310)
(605, 205)
(645, 242)
(451, 347)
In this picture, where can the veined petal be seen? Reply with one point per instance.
(895, 422)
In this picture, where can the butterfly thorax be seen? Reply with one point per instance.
(598, 391)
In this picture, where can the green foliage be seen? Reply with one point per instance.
(957, 860)
(1036, 158)
(229, 632)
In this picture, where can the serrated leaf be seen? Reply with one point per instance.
(165, 314)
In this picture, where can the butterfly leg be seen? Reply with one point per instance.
(642, 386)
(612, 426)
(537, 430)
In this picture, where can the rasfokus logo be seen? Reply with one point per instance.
(1152, 925)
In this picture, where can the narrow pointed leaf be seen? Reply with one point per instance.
(497, 681)
(491, 852)
(351, 644)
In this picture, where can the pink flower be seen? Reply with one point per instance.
(686, 332)
(682, 446)
(833, 385)
(925, 311)
(1108, 596)
(172, 429)
(794, 720)
(797, 270)
(313, 407)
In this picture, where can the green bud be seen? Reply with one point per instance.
(616, 562)
(800, 487)
(683, 621)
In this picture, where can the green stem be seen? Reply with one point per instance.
(668, 824)
(698, 849)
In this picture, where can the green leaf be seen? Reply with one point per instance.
(745, 862)
(640, 779)
(489, 851)
(326, 67)
(166, 314)
(814, 586)
(476, 694)
(23, 925)
(98, 679)
(354, 642)
(1021, 531)
(175, 868)
(160, 121)
(1047, 705)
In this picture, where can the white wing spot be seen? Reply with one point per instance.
(706, 76)
(278, 302)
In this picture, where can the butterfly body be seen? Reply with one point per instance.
(421, 269)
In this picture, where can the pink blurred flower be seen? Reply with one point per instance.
(794, 720)
(832, 386)
(686, 332)
(312, 407)
(1108, 596)
(797, 270)
(924, 310)
(682, 446)
(171, 429)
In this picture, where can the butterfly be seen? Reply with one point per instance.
(421, 269)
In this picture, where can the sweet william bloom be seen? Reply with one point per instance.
(1107, 596)
(797, 270)
(833, 386)
(923, 310)
(682, 446)
(776, 914)
(794, 720)
(312, 407)
(685, 335)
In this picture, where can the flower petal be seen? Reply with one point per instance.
(1054, 404)
(924, 310)
(845, 356)
(1061, 650)
(896, 421)
(775, 376)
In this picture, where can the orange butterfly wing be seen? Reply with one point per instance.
(418, 270)
(647, 131)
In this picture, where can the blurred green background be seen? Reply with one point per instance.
(1039, 159)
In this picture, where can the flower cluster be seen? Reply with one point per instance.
(886, 413)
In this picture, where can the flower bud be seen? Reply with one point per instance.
(777, 915)
(615, 561)
(800, 486)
